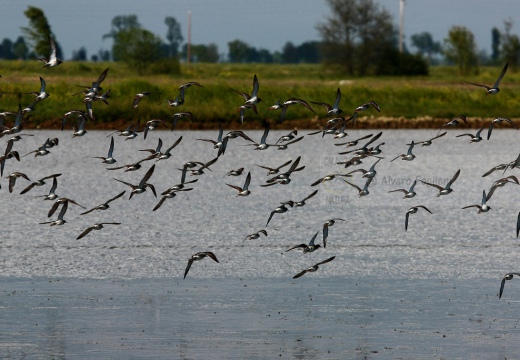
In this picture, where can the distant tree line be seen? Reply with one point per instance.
(359, 36)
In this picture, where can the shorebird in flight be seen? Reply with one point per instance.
(483, 207)
(255, 235)
(95, 227)
(313, 268)
(444, 190)
(334, 109)
(325, 230)
(413, 210)
(199, 256)
(495, 89)
(253, 98)
(474, 138)
(504, 279)
(243, 191)
(141, 187)
(39, 182)
(408, 194)
(498, 121)
(60, 220)
(105, 205)
(408, 156)
(109, 159)
(52, 60)
(307, 248)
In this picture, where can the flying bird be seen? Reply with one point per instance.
(495, 89)
(105, 205)
(243, 191)
(334, 109)
(199, 256)
(95, 227)
(313, 268)
(506, 277)
(307, 248)
(444, 190)
(52, 60)
(413, 210)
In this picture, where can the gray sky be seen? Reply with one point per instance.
(265, 24)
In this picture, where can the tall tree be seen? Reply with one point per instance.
(173, 35)
(238, 51)
(495, 44)
(510, 49)
(425, 44)
(39, 32)
(460, 48)
(137, 47)
(356, 34)
(122, 23)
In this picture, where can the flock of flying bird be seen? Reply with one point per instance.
(336, 126)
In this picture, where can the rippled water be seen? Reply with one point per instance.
(438, 278)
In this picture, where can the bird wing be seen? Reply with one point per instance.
(28, 188)
(502, 287)
(174, 145)
(163, 199)
(406, 221)
(116, 197)
(111, 149)
(325, 261)
(146, 176)
(481, 85)
(256, 87)
(310, 195)
(300, 274)
(311, 243)
(211, 255)
(502, 73)
(440, 188)
(84, 233)
(453, 179)
(190, 261)
(424, 207)
(248, 180)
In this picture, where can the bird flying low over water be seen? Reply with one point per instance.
(474, 138)
(307, 248)
(60, 220)
(494, 89)
(39, 182)
(243, 191)
(504, 279)
(95, 227)
(255, 235)
(498, 121)
(408, 194)
(408, 156)
(325, 230)
(12, 179)
(62, 201)
(483, 207)
(109, 159)
(199, 256)
(276, 170)
(141, 187)
(456, 121)
(444, 190)
(429, 142)
(105, 205)
(313, 268)
(413, 210)
(279, 210)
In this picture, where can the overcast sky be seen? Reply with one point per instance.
(265, 24)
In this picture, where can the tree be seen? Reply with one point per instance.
(137, 47)
(79, 55)
(510, 50)
(173, 35)
(39, 32)
(202, 53)
(356, 34)
(425, 44)
(6, 49)
(460, 49)
(289, 53)
(495, 44)
(20, 49)
(122, 23)
(238, 51)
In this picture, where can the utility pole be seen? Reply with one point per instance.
(401, 25)
(189, 42)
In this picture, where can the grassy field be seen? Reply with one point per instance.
(406, 102)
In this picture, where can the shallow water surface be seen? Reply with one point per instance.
(118, 293)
